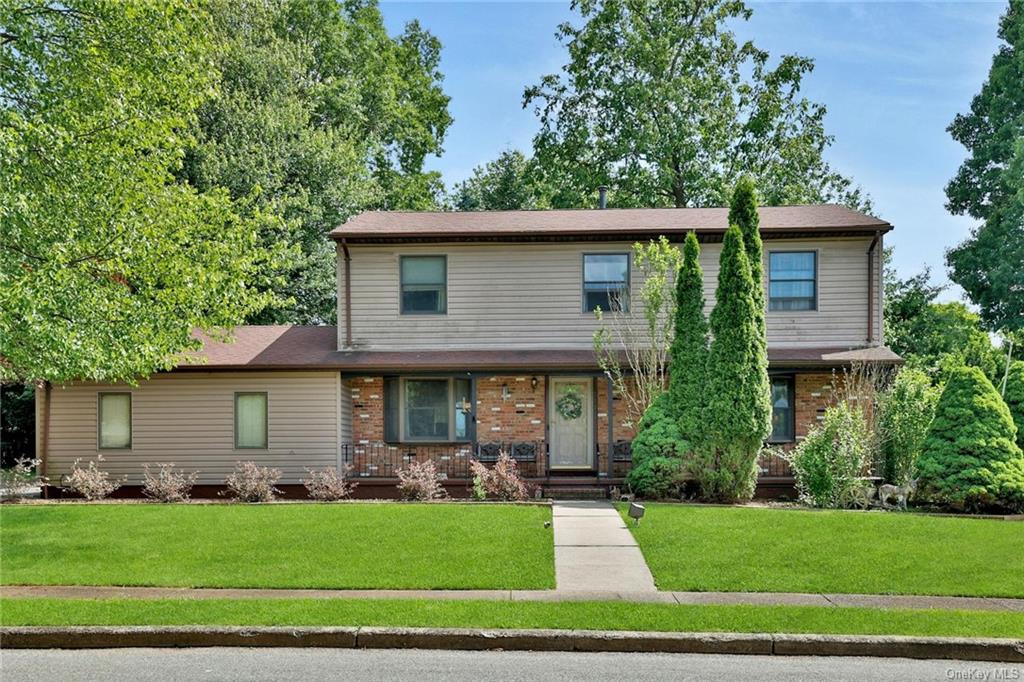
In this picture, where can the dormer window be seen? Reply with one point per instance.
(605, 282)
(792, 280)
(424, 285)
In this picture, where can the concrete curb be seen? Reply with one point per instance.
(104, 637)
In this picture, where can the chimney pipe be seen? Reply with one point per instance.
(602, 196)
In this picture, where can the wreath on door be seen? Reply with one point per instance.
(570, 404)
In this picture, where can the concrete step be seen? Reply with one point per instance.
(557, 492)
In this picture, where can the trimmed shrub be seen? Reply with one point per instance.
(16, 481)
(92, 483)
(657, 477)
(250, 482)
(905, 411)
(1014, 398)
(502, 482)
(329, 485)
(970, 458)
(421, 481)
(829, 464)
(167, 485)
(689, 350)
(657, 438)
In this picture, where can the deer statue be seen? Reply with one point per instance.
(900, 492)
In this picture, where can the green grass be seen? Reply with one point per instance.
(695, 548)
(401, 546)
(491, 614)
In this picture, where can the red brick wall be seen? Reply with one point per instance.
(813, 395)
(367, 409)
(520, 417)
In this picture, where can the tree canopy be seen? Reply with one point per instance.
(107, 262)
(661, 102)
(509, 183)
(320, 114)
(989, 185)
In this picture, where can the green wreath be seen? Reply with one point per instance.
(570, 404)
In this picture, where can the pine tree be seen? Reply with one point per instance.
(736, 403)
(969, 458)
(688, 354)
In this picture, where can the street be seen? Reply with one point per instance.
(368, 664)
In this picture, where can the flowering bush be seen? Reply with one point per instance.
(252, 483)
(503, 481)
(16, 481)
(92, 483)
(167, 485)
(421, 481)
(329, 484)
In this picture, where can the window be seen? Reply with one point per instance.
(605, 281)
(429, 409)
(115, 420)
(783, 414)
(251, 421)
(792, 280)
(424, 283)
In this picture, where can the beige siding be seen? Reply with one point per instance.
(188, 418)
(521, 296)
(345, 409)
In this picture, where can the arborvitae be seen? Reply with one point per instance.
(969, 458)
(737, 406)
(688, 354)
(1014, 398)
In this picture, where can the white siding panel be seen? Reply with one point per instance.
(523, 296)
(188, 418)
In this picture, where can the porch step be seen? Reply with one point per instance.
(557, 492)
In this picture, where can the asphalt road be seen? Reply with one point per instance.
(144, 665)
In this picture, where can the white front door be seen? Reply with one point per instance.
(570, 412)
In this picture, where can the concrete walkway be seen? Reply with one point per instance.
(595, 552)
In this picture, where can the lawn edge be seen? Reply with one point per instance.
(103, 637)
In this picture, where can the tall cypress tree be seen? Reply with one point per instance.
(688, 354)
(735, 402)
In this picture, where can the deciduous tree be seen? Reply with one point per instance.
(509, 183)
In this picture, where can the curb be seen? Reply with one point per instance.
(104, 637)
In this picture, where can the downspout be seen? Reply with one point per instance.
(44, 438)
(871, 287)
(348, 293)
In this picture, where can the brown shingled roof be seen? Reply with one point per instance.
(775, 220)
(296, 347)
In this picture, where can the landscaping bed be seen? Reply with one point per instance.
(704, 548)
(509, 615)
(354, 545)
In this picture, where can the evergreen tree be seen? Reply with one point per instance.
(736, 406)
(969, 458)
(688, 353)
(1014, 398)
(657, 467)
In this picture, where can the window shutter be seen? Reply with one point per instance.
(391, 397)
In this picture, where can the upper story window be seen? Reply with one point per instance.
(115, 421)
(251, 421)
(427, 409)
(605, 281)
(792, 280)
(424, 284)
(783, 412)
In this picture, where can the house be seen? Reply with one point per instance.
(459, 334)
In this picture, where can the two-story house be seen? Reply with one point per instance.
(457, 335)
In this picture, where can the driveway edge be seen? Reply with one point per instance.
(106, 637)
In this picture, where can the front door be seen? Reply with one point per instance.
(570, 412)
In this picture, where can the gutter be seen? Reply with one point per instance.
(871, 286)
(348, 292)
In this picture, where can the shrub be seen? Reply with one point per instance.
(657, 438)
(829, 463)
(1014, 398)
(688, 355)
(421, 481)
(329, 484)
(16, 481)
(92, 483)
(250, 482)
(970, 459)
(167, 485)
(905, 411)
(502, 482)
(657, 477)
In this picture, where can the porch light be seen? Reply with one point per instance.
(534, 382)
(636, 512)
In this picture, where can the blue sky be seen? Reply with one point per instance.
(892, 75)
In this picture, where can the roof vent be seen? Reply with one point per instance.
(602, 196)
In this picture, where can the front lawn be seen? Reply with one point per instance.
(508, 614)
(710, 549)
(369, 546)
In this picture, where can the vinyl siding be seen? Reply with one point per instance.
(529, 296)
(188, 418)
